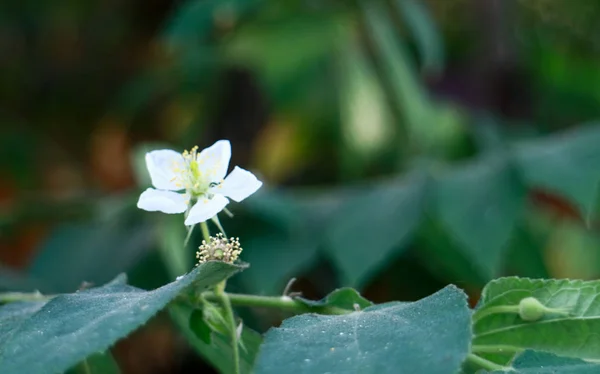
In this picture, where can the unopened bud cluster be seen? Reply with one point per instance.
(219, 248)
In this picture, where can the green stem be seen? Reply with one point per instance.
(480, 314)
(276, 302)
(205, 232)
(223, 299)
(11, 297)
(483, 363)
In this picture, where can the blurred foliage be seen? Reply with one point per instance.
(405, 144)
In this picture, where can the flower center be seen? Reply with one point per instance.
(219, 248)
(190, 176)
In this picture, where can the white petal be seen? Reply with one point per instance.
(161, 165)
(206, 209)
(214, 160)
(162, 201)
(238, 185)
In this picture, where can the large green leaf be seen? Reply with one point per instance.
(564, 163)
(94, 252)
(263, 46)
(289, 241)
(373, 227)
(480, 205)
(499, 335)
(531, 362)
(218, 352)
(425, 33)
(428, 336)
(49, 337)
(430, 127)
(192, 22)
(171, 244)
(98, 363)
(12, 280)
(361, 100)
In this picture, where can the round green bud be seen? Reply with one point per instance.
(531, 310)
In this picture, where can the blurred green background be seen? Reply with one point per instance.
(404, 144)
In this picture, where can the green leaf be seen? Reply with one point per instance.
(263, 46)
(191, 24)
(218, 352)
(501, 335)
(12, 280)
(435, 128)
(425, 33)
(171, 239)
(428, 336)
(565, 163)
(199, 326)
(361, 99)
(532, 362)
(371, 228)
(290, 241)
(93, 252)
(525, 254)
(480, 205)
(344, 298)
(74, 326)
(98, 363)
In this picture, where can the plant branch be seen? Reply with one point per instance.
(223, 299)
(11, 297)
(275, 302)
(483, 363)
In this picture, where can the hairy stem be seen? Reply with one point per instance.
(275, 302)
(11, 297)
(205, 232)
(483, 363)
(223, 299)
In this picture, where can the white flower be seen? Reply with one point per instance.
(201, 179)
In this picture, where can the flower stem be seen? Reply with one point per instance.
(11, 297)
(483, 363)
(223, 299)
(205, 232)
(275, 302)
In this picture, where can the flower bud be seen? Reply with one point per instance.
(530, 309)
